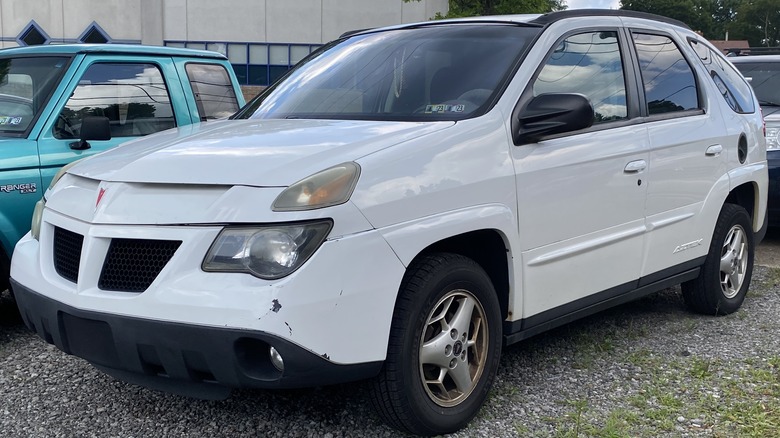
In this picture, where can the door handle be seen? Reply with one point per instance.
(714, 150)
(635, 166)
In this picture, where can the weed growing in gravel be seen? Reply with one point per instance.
(726, 398)
(700, 368)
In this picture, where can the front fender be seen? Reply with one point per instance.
(410, 238)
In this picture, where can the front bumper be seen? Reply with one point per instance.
(192, 360)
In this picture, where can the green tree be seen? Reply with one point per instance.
(697, 14)
(471, 8)
(724, 19)
(758, 21)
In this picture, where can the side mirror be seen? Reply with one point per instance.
(549, 114)
(92, 128)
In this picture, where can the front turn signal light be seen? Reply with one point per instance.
(330, 187)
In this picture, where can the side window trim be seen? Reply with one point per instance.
(634, 88)
(641, 89)
(527, 94)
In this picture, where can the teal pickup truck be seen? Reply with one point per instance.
(59, 103)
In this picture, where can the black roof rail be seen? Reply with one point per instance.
(560, 15)
(354, 32)
(761, 50)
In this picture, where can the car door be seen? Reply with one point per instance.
(581, 196)
(138, 95)
(27, 84)
(687, 149)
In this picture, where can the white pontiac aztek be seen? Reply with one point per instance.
(403, 204)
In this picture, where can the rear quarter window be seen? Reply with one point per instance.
(730, 83)
(213, 89)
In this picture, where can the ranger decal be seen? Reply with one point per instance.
(21, 188)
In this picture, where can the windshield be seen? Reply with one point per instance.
(765, 79)
(25, 86)
(443, 72)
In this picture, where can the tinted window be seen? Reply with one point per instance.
(25, 87)
(730, 83)
(765, 79)
(133, 97)
(442, 72)
(213, 90)
(589, 64)
(668, 79)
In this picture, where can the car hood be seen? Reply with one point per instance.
(260, 153)
(771, 113)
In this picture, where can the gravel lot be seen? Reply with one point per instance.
(648, 368)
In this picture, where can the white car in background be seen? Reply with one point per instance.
(401, 205)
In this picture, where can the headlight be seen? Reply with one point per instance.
(268, 252)
(60, 173)
(330, 187)
(37, 218)
(772, 138)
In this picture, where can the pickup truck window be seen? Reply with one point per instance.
(133, 97)
(213, 90)
(25, 86)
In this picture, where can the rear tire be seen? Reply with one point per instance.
(724, 279)
(444, 347)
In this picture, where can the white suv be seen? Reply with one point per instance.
(401, 205)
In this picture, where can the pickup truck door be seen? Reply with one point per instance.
(139, 96)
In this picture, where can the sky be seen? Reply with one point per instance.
(599, 4)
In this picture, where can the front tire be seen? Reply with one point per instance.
(444, 347)
(724, 279)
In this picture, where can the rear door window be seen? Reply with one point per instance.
(214, 94)
(669, 81)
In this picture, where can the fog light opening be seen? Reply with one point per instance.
(276, 359)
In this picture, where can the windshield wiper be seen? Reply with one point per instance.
(767, 103)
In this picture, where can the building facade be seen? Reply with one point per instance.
(262, 38)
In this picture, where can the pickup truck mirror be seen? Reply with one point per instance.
(92, 128)
(553, 113)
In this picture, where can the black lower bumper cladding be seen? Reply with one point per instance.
(191, 360)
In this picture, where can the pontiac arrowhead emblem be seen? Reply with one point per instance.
(100, 196)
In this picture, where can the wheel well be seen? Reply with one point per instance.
(487, 248)
(744, 196)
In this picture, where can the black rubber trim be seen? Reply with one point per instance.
(516, 331)
(561, 15)
(191, 360)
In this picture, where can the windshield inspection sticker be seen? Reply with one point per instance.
(21, 188)
(4, 120)
(438, 109)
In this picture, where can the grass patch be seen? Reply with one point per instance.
(719, 398)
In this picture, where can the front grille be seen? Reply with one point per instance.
(67, 253)
(131, 265)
